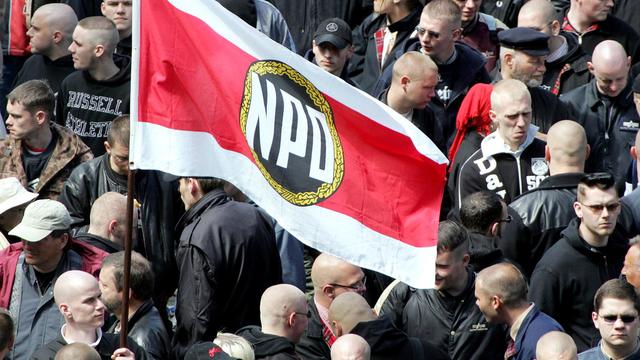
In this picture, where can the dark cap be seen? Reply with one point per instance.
(529, 41)
(205, 351)
(334, 31)
(636, 84)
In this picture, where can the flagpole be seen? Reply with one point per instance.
(124, 317)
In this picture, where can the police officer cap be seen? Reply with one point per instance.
(529, 41)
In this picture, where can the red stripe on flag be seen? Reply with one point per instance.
(205, 83)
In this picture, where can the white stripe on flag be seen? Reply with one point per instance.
(337, 233)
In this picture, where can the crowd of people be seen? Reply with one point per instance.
(536, 104)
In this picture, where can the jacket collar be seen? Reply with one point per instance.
(624, 99)
(561, 181)
(408, 23)
(211, 199)
(493, 144)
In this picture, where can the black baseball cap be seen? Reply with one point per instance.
(334, 31)
(529, 41)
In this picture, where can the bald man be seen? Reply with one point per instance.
(413, 84)
(77, 296)
(534, 229)
(556, 345)
(631, 269)
(50, 35)
(501, 295)
(107, 225)
(331, 277)
(77, 351)
(102, 79)
(566, 64)
(510, 160)
(350, 347)
(284, 315)
(350, 313)
(605, 108)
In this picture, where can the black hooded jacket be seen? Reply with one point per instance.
(88, 106)
(41, 67)
(267, 346)
(567, 277)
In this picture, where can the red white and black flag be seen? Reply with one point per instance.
(212, 96)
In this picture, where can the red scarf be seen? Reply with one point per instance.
(473, 114)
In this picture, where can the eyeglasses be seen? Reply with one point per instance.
(421, 31)
(307, 314)
(357, 286)
(627, 319)
(597, 208)
(505, 220)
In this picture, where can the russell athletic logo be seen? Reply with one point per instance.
(289, 127)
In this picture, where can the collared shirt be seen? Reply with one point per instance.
(69, 341)
(323, 312)
(515, 327)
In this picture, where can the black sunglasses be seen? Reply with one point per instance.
(625, 318)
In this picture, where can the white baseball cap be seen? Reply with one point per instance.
(13, 194)
(41, 217)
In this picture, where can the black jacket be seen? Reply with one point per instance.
(267, 346)
(508, 175)
(227, 257)
(454, 325)
(160, 211)
(99, 242)
(560, 80)
(312, 345)
(627, 11)
(567, 277)
(538, 217)
(147, 329)
(389, 343)
(454, 80)
(612, 28)
(303, 17)
(503, 10)
(426, 121)
(105, 348)
(88, 106)
(611, 129)
(365, 67)
(41, 67)
(483, 251)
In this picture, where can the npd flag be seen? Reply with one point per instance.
(340, 171)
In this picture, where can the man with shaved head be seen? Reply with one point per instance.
(350, 347)
(50, 34)
(108, 223)
(556, 345)
(331, 277)
(631, 269)
(535, 228)
(77, 296)
(606, 110)
(413, 84)
(284, 317)
(77, 351)
(566, 63)
(510, 160)
(91, 98)
(501, 295)
(350, 313)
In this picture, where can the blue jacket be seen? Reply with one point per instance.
(534, 325)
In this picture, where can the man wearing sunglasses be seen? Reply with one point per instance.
(616, 317)
(590, 251)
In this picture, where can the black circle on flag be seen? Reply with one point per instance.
(288, 125)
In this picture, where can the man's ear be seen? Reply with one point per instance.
(57, 37)
(41, 117)
(590, 67)
(405, 81)
(99, 51)
(456, 34)
(337, 329)
(329, 291)
(634, 152)
(594, 318)
(555, 27)
(64, 309)
(113, 225)
(547, 153)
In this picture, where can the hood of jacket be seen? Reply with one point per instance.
(123, 75)
(265, 344)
